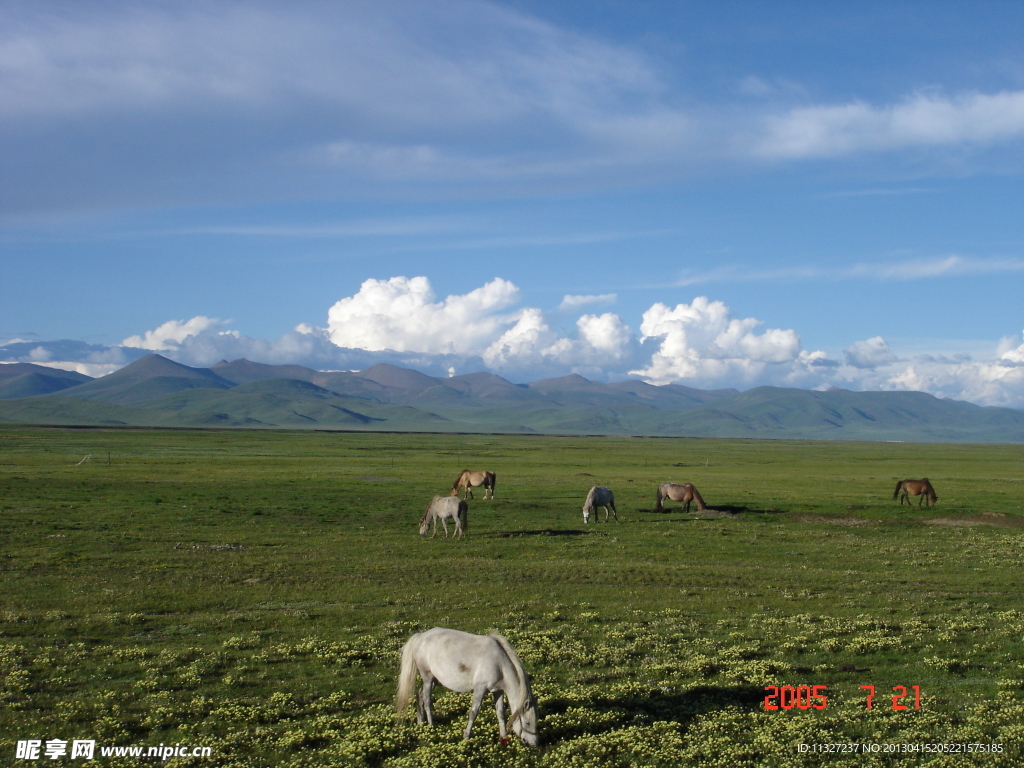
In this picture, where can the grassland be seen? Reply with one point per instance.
(249, 591)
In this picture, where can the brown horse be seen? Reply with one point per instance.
(676, 492)
(920, 488)
(470, 480)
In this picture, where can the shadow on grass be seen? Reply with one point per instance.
(719, 510)
(542, 532)
(654, 705)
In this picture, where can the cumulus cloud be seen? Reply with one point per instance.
(171, 334)
(401, 314)
(703, 342)
(601, 343)
(870, 353)
(1010, 354)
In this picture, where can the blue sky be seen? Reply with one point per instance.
(722, 194)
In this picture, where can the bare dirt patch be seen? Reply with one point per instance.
(846, 520)
(996, 519)
(714, 513)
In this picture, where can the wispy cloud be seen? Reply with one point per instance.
(370, 228)
(880, 192)
(312, 100)
(738, 273)
(573, 303)
(913, 269)
(939, 266)
(922, 120)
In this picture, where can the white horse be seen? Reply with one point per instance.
(463, 662)
(446, 507)
(599, 497)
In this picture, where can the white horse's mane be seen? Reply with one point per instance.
(525, 698)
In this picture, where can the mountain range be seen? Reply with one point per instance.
(155, 391)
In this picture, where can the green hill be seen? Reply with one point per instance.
(28, 380)
(147, 378)
(154, 391)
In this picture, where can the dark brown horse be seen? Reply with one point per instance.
(470, 480)
(920, 488)
(684, 492)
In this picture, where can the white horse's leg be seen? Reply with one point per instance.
(423, 709)
(499, 709)
(435, 527)
(478, 698)
(445, 526)
(616, 514)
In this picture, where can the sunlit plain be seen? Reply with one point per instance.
(250, 591)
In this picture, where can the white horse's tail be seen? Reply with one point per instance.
(406, 677)
(525, 697)
(661, 500)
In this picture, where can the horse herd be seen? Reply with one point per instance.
(487, 664)
(454, 508)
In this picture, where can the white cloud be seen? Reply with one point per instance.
(870, 353)
(171, 334)
(525, 342)
(401, 314)
(703, 342)
(601, 343)
(572, 303)
(1009, 354)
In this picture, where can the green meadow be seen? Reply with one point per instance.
(250, 592)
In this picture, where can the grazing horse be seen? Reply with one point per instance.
(920, 488)
(463, 662)
(684, 492)
(446, 507)
(470, 480)
(599, 497)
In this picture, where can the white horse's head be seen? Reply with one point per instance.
(586, 515)
(524, 725)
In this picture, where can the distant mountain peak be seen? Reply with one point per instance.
(400, 378)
